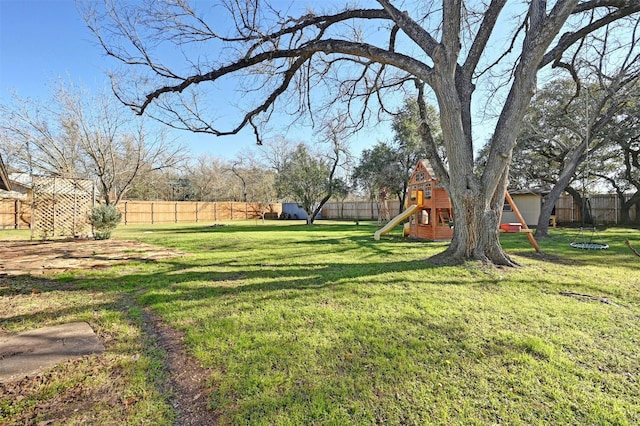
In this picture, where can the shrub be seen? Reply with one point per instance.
(104, 219)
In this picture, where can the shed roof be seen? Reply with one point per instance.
(529, 191)
(23, 179)
(4, 177)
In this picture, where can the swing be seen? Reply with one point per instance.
(584, 244)
(590, 244)
(587, 245)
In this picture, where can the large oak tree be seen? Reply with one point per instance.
(623, 173)
(360, 57)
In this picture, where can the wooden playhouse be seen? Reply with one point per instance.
(432, 212)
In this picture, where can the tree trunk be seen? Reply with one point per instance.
(542, 228)
(574, 159)
(403, 199)
(475, 231)
(585, 213)
(475, 234)
(311, 215)
(548, 203)
(625, 208)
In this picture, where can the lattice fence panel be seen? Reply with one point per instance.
(61, 206)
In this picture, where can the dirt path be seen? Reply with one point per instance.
(187, 377)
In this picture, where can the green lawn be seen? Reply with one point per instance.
(324, 325)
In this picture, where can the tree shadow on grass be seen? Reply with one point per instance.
(189, 280)
(232, 228)
(243, 287)
(548, 257)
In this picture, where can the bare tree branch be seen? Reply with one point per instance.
(482, 37)
(568, 39)
(410, 27)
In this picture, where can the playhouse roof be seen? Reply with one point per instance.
(423, 165)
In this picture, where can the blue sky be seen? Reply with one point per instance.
(43, 40)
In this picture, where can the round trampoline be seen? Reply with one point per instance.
(590, 246)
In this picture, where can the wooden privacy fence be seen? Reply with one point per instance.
(16, 214)
(604, 209)
(152, 212)
(362, 210)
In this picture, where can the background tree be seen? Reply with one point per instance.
(255, 182)
(77, 134)
(210, 177)
(262, 191)
(565, 134)
(311, 179)
(552, 148)
(620, 165)
(360, 57)
(153, 185)
(603, 87)
(388, 166)
(274, 153)
(378, 168)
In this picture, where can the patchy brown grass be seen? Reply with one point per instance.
(145, 373)
(42, 257)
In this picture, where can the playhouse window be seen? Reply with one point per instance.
(427, 190)
(506, 207)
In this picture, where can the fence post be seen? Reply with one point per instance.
(175, 211)
(196, 212)
(16, 220)
(53, 219)
(246, 210)
(572, 218)
(126, 211)
(215, 212)
(232, 210)
(152, 222)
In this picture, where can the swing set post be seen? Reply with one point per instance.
(532, 240)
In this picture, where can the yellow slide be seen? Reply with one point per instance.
(395, 221)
